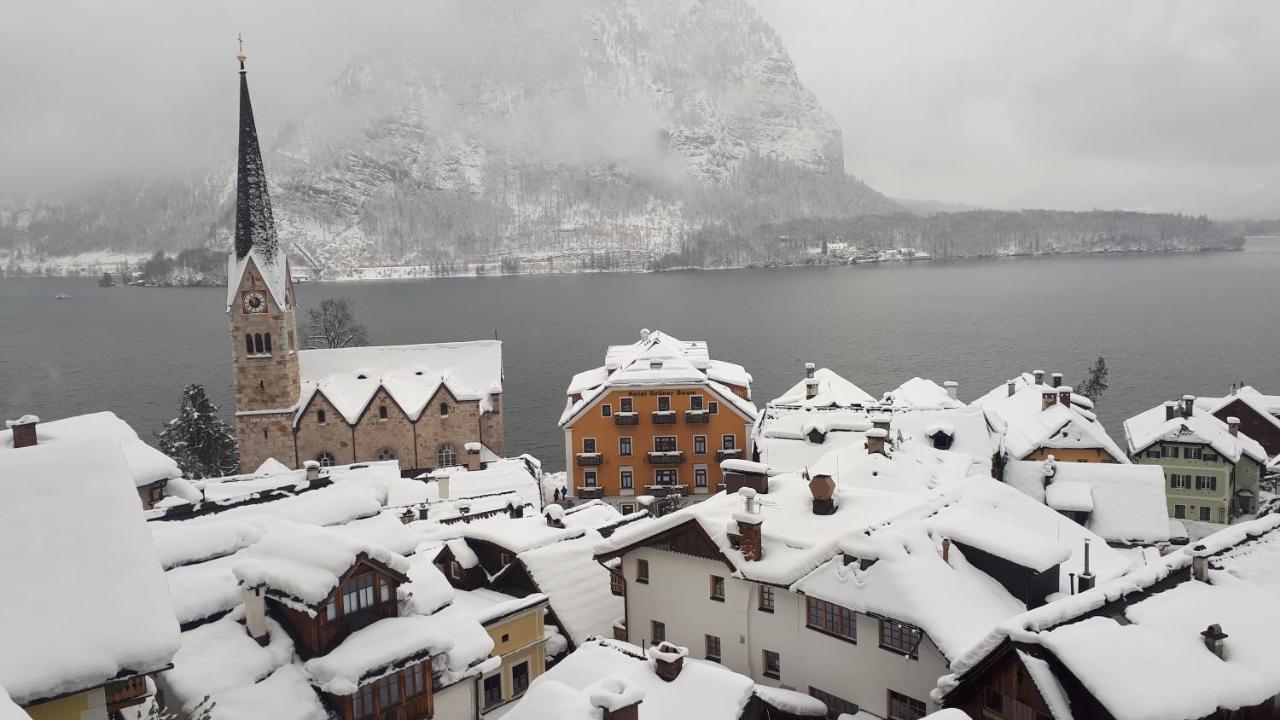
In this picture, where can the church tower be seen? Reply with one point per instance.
(261, 309)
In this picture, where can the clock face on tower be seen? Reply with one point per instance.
(254, 302)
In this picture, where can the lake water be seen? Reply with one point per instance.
(1167, 325)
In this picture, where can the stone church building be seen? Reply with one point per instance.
(418, 404)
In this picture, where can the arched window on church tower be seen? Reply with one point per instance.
(248, 343)
(267, 342)
(257, 343)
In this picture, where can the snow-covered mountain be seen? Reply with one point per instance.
(549, 128)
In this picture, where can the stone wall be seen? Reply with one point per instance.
(459, 427)
(492, 427)
(333, 437)
(265, 436)
(394, 434)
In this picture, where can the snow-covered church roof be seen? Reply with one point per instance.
(146, 464)
(92, 604)
(411, 374)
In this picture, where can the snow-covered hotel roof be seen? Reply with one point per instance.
(411, 374)
(1019, 410)
(99, 608)
(146, 464)
(658, 360)
(1140, 644)
(1170, 422)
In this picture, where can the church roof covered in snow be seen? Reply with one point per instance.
(101, 611)
(659, 360)
(146, 464)
(411, 374)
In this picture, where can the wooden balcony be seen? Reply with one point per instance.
(663, 417)
(666, 457)
(626, 418)
(661, 491)
(696, 417)
(126, 693)
(729, 454)
(590, 459)
(594, 492)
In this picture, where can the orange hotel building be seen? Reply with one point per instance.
(655, 419)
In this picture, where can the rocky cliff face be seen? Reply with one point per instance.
(531, 129)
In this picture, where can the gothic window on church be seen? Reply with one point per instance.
(257, 344)
(382, 412)
(444, 409)
(326, 459)
(266, 343)
(385, 454)
(320, 417)
(446, 456)
(248, 344)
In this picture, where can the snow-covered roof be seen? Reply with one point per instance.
(658, 360)
(302, 565)
(920, 394)
(577, 586)
(518, 475)
(95, 605)
(1136, 646)
(274, 269)
(146, 464)
(1148, 428)
(1126, 503)
(9, 710)
(616, 674)
(832, 390)
(411, 374)
(1027, 425)
(487, 605)
(1267, 406)
(381, 647)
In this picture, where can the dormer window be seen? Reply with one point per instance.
(655, 364)
(357, 593)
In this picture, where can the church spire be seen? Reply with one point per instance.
(255, 228)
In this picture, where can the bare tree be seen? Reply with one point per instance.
(333, 325)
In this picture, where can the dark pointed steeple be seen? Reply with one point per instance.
(255, 228)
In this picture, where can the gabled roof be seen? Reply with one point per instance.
(1266, 406)
(93, 604)
(920, 394)
(1126, 502)
(832, 391)
(1028, 425)
(658, 360)
(349, 378)
(520, 475)
(1202, 427)
(146, 464)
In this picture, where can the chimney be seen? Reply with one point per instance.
(1233, 425)
(1050, 469)
(809, 368)
(946, 550)
(555, 516)
(644, 333)
(1188, 402)
(515, 510)
(1039, 376)
(751, 543)
(313, 470)
(668, 660)
(255, 614)
(617, 700)
(1064, 396)
(1012, 386)
(473, 456)
(875, 441)
(810, 388)
(1170, 410)
(1087, 580)
(1213, 639)
(24, 430)
(1057, 379)
(1048, 397)
(823, 489)
(408, 516)
(1199, 565)
(880, 421)
(952, 389)
(442, 487)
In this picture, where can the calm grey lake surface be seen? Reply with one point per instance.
(1167, 325)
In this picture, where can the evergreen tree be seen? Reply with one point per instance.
(198, 440)
(1096, 383)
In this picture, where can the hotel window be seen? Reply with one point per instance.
(713, 407)
(699, 444)
(589, 478)
(606, 410)
(717, 588)
(728, 442)
(624, 446)
(626, 478)
(902, 707)
(325, 459)
(664, 443)
(766, 599)
(772, 664)
(1206, 482)
(713, 648)
(642, 571)
(588, 445)
(382, 412)
(836, 706)
(664, 403)
(832, 619)
(695, 402)
(666, 476)
(700, 477)
(1180, 512)
(658, 630)
(624, 405)
(447, 455)
(900, 638)
(320, 417)
(1204, 513)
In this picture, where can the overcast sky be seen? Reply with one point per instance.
(1142, 104)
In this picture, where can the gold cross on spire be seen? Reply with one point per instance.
(240, 56)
